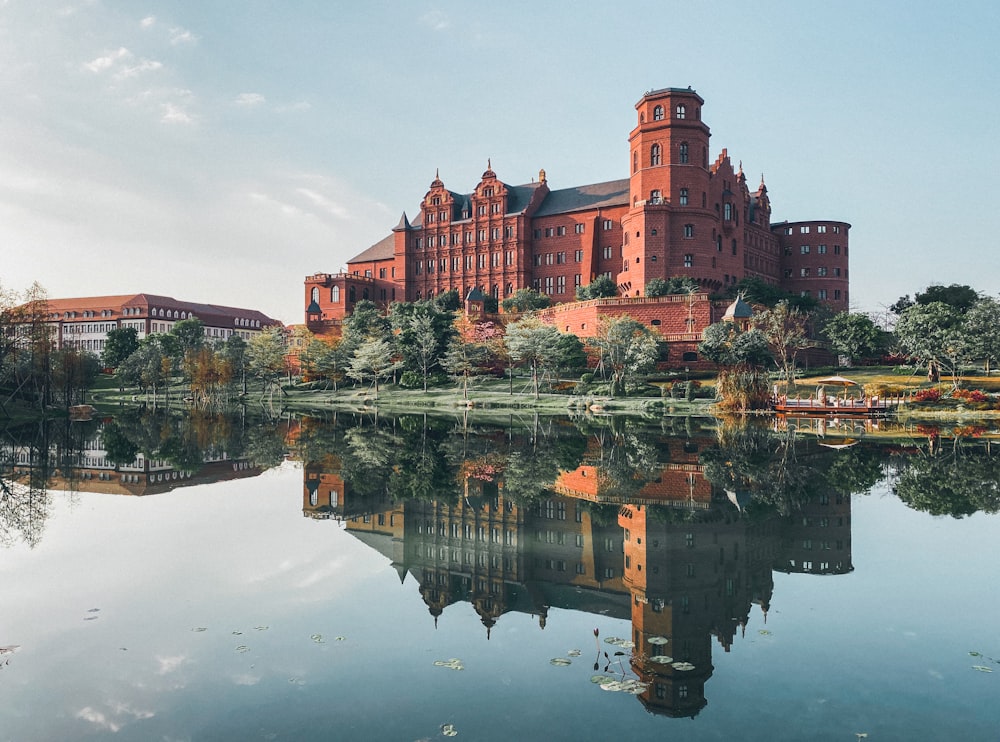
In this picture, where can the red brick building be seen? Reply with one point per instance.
(678, 213)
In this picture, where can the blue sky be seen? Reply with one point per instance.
(222, 151)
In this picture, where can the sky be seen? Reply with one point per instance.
(221, 152)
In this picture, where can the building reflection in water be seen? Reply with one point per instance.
(680, 557)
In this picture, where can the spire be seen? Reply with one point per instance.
(404, 224)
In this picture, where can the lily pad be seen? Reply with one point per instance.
(574, 653)
(453, 664)
(683, 666)
(243, 649)
(560, 661)
(199, 629)
(611, 640)
(598, 679)
(9, 649)
(975, 654)
(340, 638)
(448, 730)
(613, 686)
(982, 668)
(662, 659)
(318, 638)
(764, 632)
(237, 633)
(261, 628)
(657, 640)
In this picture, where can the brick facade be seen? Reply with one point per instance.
(680, 212)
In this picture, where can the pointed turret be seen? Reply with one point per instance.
(404, 224)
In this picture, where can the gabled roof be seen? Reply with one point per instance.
(381, 250)
(593, 196)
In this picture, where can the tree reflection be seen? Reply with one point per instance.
(956, 480)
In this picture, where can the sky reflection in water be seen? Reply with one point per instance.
(217, 611)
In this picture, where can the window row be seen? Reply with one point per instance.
(821, 229)
(820, 250)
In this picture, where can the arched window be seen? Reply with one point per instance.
(364, 293)
(681, 111)
(655, 196)
(314, 295)
(352, 295)
(683, 153)
(658, 113)
(335, 294)
(654, 155)
(635, 162)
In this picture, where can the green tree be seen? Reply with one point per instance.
(982, 326)
(266, 358)
(626, 349)
(119, 345)
(423, 332)
(190, 334)
(373, 359)
(935, 335)
(532, 342)
(787, 331)
(599, 288)
(674, 285)
(571, 354)
(755, 290)
(957, 296)
(854, 335)
(526, 300)
(741, 356)
(235, 352)
(464, 359)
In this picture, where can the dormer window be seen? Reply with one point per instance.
(436, 201)
(488, 192)
(658, 113)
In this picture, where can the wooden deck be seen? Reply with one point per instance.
(872, 407)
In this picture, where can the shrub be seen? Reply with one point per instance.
(927, 395)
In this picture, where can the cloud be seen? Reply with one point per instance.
(172, 113)
(249, 99)
(169, 664)
(101, 64)
(96, 718)
(181, 36)
(435, 20)
(324, 203)
(144, 65)
(148, 22)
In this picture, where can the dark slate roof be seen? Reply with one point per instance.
(518, 197)
(381, 250)
(593, 196)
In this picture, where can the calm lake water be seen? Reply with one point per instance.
(415, 579)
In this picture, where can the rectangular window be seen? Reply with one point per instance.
(509, 258)
(577, 280)
(495, 208)
(836, 272)
(607, 253)
(803, 230)
(495, 260)
(578, 256)
(836, 293)
(821, 229)
(836, 249)
(803, 272)
(561, 231)
(689, 260)
(537, 234)
(821, 249)
(482, 235)
(821, 271)
(689, 230)
(549, 231)
(561, 285)
(482, 260)
(821, 294)
(468, 262)
(548, 258)
(548, 284)
(508, 232)
(836, 230)
(804, 249)
(381, 272)
(579, 228)
(481, 210)
(608, 225)
(560, 258)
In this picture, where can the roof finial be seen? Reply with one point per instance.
(489, 163)
(437, 173)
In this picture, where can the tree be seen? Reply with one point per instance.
(463, 358)
(854, 335)
(958, 296)
(423, 331)
(982, 326)
(935, 335)
(235, 351)
(145, 368)
(374, 359)
(324, 358)
(755, 290)
(266, 357)
(626, 349)
(741, 356)
(119, 345)
(668, 287)
(535, 343)
(599, 288)
(787, 333)
(571, 354)
(190, 334)
(526, 300)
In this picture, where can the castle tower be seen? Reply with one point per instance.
(668, 222)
